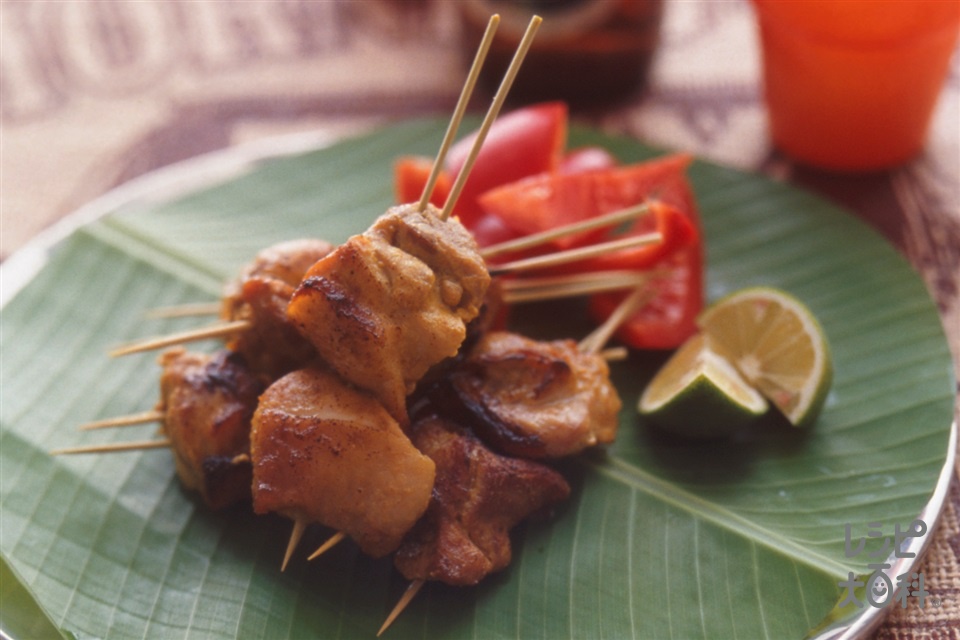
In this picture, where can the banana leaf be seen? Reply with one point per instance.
(662, 538)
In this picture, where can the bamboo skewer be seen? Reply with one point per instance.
(455, 191)
(518, 290)
(398, 608)
(457, 187)
(535, 239)
(299, 526)
(595, 341)
(491, 115)
(523, 290)
(526, 242)
(114, 447)
(331, 542)
(218, 330)
(459, 110)
(123, 421)
(519, 244)
(596, 284)
(615, 354)
(575, 255)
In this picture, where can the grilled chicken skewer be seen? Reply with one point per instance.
(205, 408)
(324, 451)
(256, 316)
(397, 299)
(328, 441)
(480, 493)
(253, 311)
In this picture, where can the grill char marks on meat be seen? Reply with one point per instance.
(208, 402)
(536, 399)
(478, 497)
(326, 452)
(392, 302)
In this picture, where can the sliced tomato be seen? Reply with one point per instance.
(521, 143)
(668, 318)
(410, 175)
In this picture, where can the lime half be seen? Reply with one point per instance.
(777, 345)
(698, 394)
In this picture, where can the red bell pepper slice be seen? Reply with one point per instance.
(668, 318)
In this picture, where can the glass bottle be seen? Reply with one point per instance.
(587, 52)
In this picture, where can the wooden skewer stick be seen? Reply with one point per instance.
(519, 244)
(458, 112)
(218, 330)
(113, 447)
(331, 542)
(492, 113)
(425, 197)
(535, 239)
(405, 599)
(522, 290)
(595, 341)
(123, 421)
(614, 354)
(574, 255)
(299, 526)
(185, 310)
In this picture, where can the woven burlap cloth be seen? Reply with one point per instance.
(97, 93)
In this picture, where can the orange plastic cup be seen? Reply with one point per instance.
(851, 85)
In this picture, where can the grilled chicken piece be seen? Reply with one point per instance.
(390, 303)
(326, 452)
(478, 497)
(272, 345)
(537, 399)
(208, 401)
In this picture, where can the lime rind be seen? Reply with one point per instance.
(777, 344)
(698, 394)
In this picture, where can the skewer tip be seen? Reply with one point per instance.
(299, 526)
(326, 546)
(405, 599)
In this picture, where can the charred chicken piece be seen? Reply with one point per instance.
(272, 345)
(326, 452)
(393, 301)
(208, 402)
(477, 498)
(537, 399)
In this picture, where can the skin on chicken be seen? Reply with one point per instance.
(478, 497)
(390, 303)
(536, 399)
(324, 451)
(208, 402)
(272, 345)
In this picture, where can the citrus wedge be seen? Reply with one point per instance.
(698, 394)
(777, 345)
